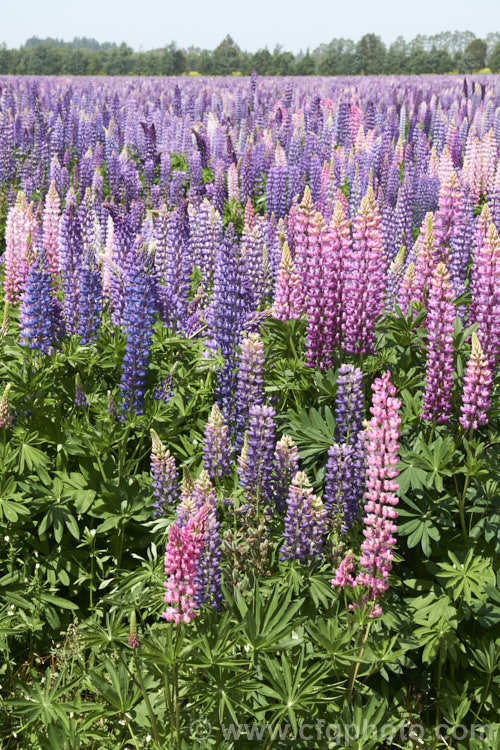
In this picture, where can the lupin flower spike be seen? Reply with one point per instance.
(164, 473)
(80, 397)
(5, 410)
(477, 389)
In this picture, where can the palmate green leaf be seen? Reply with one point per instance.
(59, 517)
(466, 580)
(112, 633)
(31, 458)
(320, 590)
(334, 638)
(441, 640)
(411, 472)
(294, 686)
(427, 465)
(266, 624)
(364, 715)
(432, 608)
(121, 691)
(313, 430)
(45, 705)
(421, 527)
(488, 613)
(215, 645)
(223, 691)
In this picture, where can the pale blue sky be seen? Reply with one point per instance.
(295, 24)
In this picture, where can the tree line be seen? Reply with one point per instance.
(448, 52)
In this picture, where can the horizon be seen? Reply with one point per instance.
(270, 47)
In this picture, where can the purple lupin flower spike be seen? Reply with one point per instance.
(89, 300)
(217, 449)
(365, 273)
(304, 523)
(138, 318)
(80, 397)
(255, 469)
(250, 380)
(208, 570)
(476, 390)
(483, 222)
(439, 365)
(232, 300)
(70, 259)
(349, 403)
(344, 481)
(286, 465)
(37, 311)
(164, 473)
(485, 307)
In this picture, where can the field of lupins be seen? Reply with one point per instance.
(249, 485)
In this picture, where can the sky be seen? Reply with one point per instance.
(254, 24)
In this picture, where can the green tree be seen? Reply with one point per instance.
(205, 63)
(119, 61)
(283, 63)
(372, 54)
(226, 57)
(305, 65)
(475, 54)
(440, 61)
(261, 61)
(396, 60)
(494, 59)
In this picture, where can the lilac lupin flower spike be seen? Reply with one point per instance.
(485, 306)
(286, 465)
(349, 403)
(217, 449)
(304, 523)
(250, 382)
(256, 459)
(164, 473)
(476, 389)
(439, 365)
